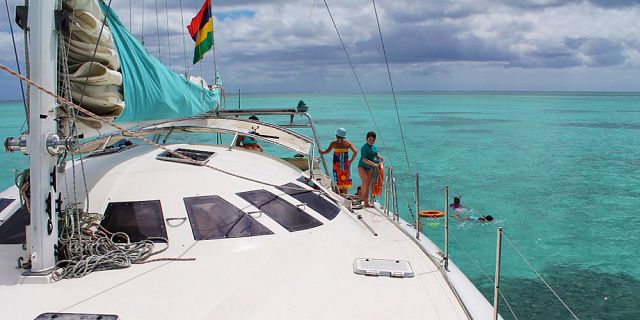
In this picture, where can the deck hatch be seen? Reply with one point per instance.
(76, 316)
(13, 230)
(212, 217)
(383, 267)
(138, 219)
(287, 215)
(4, 203)
(315, 201)
(200, 156)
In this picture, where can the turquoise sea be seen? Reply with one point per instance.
(560, 172)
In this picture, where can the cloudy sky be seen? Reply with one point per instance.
(292, 46)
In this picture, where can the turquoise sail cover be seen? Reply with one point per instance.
(151, 90)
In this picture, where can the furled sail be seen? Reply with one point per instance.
(151, 90)
(124, 82)
(97, 85)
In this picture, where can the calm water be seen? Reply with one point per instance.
(559, 171)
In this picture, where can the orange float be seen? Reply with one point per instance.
(431, 214)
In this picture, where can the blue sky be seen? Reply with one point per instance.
(291, 46)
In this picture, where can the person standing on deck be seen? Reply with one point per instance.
(341, 161)
(368, 160)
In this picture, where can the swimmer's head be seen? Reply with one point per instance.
(456, 200)
(486, 218)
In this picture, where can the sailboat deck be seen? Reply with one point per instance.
(305, 274)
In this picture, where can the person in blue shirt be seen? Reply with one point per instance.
(247, 141)
(369, 159)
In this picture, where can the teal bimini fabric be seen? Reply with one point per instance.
(151, 90)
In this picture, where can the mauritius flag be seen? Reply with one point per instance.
(201, 31)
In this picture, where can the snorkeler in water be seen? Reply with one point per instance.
(480, 219)
(456, 205)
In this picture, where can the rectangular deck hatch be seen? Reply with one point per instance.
(200, 156)
(76, 316)
(383, 268)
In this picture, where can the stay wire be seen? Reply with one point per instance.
(158, 29)
(166, 11)
(184, 44)
(15, 52)
(366, 101)
(539, 276)
(395, 103)
(475, 263)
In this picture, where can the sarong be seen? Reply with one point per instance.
(341, 168)
(377, 181)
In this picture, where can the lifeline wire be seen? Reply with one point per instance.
(466, 253)
(539, 276)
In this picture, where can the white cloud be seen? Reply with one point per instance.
(276, 46)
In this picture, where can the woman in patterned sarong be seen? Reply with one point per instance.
(341, 160)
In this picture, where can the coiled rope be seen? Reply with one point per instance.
(89, 247)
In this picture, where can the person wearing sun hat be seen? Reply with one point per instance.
(341, 160)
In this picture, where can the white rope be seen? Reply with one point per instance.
(539, 276)
(137, 136)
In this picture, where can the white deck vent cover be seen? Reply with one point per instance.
(383, 267)
(199, 156)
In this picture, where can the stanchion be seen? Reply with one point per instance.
(417, 205)
(446, 228)
(496, 292)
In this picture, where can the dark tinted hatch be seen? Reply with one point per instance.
(315, 201)
(287, 215)
(139, 219)
(212, 217)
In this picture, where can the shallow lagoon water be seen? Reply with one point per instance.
(560, 172)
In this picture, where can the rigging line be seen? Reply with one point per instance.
(27, 67)
(130, 9)
(166, 11)
(15, 52)
(184, 44)
(74, 128)
(215, 64)
(364, 96)
(158, 30)
(539, 276)
(395, 103)
(468, 255)
(142, 38)
(200, 64)
(312, 6)
(137, 136)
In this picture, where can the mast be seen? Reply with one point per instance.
(42, 233)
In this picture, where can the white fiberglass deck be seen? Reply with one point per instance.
(305, 274)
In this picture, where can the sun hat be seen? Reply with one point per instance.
(341, 132)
